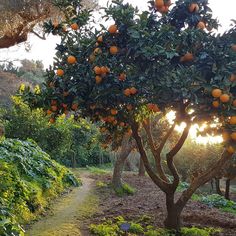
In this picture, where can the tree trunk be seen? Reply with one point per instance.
(126, 148)
(172, 220)
(117, 172)
(227, 189)
(141, 171)
(218, 191)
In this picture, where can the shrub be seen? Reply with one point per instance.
(29, 179)
(67, 141)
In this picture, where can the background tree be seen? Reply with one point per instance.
(163, 57)
(21, 17)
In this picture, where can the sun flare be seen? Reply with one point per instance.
(208, 139)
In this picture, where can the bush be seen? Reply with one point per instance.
(67, 141)
(215, 200)
(29, 179)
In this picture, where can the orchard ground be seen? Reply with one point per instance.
(103, 204)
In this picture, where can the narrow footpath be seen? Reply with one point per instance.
(64, 220)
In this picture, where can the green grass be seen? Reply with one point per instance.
(126, 189)
(98, 170)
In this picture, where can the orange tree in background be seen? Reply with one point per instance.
(145, 63)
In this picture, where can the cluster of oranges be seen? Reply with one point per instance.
(221, 97)
(153, 107)
(130, 91)
(162, 6)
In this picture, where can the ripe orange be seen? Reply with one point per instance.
(98, 79)
(153, 107)
(97, 51)
(193, 7)
(224, 98)
(54, 108)
(232, 78)
(159, 4)
(49, 112)
(74, 106)
(122, 77)
(187, 57)
(74, 26)
(114, 112)
(104, 69)
(231, 150)
(100, 39)
(127, 92)
(201, 25)
(233, 47)
(133, 90)
(52, 120)
(234, 103)
(97, 70)
(233, 136)
(164, 9)
(60, 72)
(71, 60)
(215, 104)
(122, 124)
(225, 136)
(232, 120)
(114, 50)
(112, 29)
(216, 93)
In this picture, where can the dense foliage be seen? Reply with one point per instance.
(68, 141)
(29, 180)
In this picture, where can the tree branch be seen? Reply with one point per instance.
(202, 179)
(164, 186)
(155, 151)
(38, 35)
(170, 156)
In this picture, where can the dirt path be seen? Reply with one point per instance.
(64, 220)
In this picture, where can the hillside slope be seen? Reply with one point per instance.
(9, 83)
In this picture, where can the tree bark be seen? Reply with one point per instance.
(173, 220)
(141, 171)
(218, 191)
(126, 148)
(227, 189)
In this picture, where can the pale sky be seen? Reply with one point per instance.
(44, 50)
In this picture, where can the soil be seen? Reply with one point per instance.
(149, 200)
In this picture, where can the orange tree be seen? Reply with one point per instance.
(161, 59)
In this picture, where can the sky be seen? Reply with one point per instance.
(45, 49)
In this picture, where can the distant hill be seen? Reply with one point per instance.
(9, 84)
